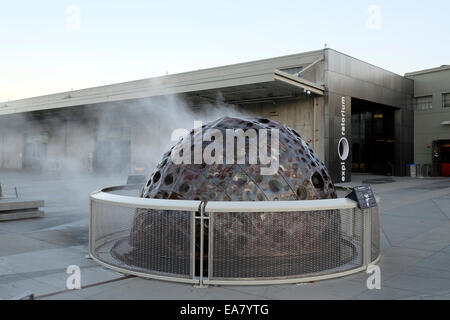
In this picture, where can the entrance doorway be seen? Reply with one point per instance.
(441, 158)
(373, 137)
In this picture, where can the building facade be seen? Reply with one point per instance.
(356, 116)
(432, 118)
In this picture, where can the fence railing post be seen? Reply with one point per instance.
(193, 222)
(210, 244)
(91, 227)
(202, 245)
(367, 236)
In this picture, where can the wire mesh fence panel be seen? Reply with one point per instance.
(144, 240)
(284, 244)
(174, 241)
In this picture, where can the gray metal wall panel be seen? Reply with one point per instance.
(428, 127)
(347, 76)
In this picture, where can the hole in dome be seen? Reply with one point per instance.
(240, 178)
(317, 181)
(302, 193)
(156, 176)
(184, 188)
(258, 178)
(275, 186)
(263, 120)
(168, 179)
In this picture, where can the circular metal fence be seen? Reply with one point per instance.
(224, 242)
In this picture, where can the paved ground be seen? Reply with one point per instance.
(34, 254)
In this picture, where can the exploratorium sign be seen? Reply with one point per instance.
(343, 147)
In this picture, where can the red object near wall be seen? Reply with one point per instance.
(445, 169)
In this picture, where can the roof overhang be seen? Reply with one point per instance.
(421, 72)
(238, 84)
(275, 87)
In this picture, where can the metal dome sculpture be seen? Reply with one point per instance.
(301, 175)
(302, 239)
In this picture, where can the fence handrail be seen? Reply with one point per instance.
(145, 203)
(279, 206)
(104, 196)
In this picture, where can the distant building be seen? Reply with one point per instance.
(432, 118)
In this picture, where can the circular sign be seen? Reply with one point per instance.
(343, 149)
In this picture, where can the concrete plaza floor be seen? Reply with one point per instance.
(34, 253)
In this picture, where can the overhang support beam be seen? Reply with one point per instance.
(306, 85)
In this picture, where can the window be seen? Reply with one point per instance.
(423, 103)
(446, 100)
(293, 71)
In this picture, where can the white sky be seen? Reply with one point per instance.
(54, 46)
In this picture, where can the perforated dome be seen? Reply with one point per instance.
(256, 244)
(300, 176)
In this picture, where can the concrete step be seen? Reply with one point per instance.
(16, 209)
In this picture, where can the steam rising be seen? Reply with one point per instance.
(115, 138)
